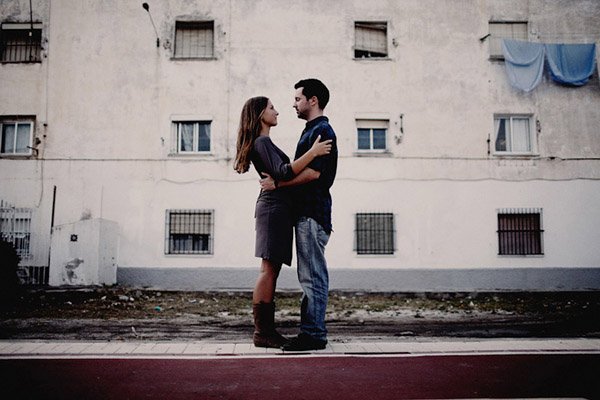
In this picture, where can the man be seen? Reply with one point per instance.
(313, 206)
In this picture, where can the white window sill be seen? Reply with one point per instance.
(520, 255)
(192, 155)
(11, 156)
(372, 59)
(194, 58)
(372, 153)
(22, 62)
(516, 155)
(189, 255)
(375, 255)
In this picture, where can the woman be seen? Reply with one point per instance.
(274, 216)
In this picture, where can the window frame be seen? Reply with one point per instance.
(177, 124)
(532, 135)
(16, 122)
(190, 25)
(384, 242)
(193, 238)
(374, 24)
(372, 125)
(525, 237)
(495, 40)
(26, 29)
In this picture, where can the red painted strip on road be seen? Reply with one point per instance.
(429, 377)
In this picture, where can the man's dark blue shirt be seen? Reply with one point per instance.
(313, 199)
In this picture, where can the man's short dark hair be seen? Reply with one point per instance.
(314, 87)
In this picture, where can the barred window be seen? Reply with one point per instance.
(505, 30)
(375, 233)
(21, 43)
(194, 39)
(370, 40)
(193, 136)
(189, 232)
(520, 232)
(15, 228)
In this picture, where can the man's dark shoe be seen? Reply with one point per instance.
(304, 342)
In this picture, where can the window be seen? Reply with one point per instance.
(16, 137)
(520, 232)
(21, 43)
(371, 135)
(505, 30)
(194, 39)
(193, 137)
(374, 233)
(189, 232)
(513, 135)
(370, 40)
(15, 228)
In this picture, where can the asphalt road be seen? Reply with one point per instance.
(306, 377)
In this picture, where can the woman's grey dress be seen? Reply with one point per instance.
(274, 214)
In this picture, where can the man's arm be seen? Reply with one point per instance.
(307, 175)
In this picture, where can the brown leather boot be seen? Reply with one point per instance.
(265, 334)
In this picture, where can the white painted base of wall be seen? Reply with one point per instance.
(373, 280)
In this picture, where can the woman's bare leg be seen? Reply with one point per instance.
(264, 290)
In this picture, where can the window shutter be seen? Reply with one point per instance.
(371, 37)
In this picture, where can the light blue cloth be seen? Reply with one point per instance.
(524, 62)
(571, 64)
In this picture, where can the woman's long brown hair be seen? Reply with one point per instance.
(248, 131)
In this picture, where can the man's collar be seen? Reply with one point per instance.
(315, 121)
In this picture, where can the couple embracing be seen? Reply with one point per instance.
(294, 194)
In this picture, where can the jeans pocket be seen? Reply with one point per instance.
(323, 238)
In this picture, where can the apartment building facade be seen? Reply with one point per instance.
(449, 177)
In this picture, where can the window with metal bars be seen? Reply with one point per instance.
(520, 232)
(15, 228)
(194, 39)
(189, 232)
(370, 40)
(20, 43)
(374, 233)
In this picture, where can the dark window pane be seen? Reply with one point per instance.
(364, 139)
(379, 139)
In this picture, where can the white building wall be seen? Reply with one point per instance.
(105, 96)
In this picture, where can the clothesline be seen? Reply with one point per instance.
(569, 64)
(587, 37)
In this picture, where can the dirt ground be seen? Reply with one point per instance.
(121, 313)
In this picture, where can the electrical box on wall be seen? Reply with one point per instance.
(84, 253)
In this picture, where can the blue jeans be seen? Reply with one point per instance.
(311, 240)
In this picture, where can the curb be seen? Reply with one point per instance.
(203, 349)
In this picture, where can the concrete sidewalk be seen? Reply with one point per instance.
(196, 349)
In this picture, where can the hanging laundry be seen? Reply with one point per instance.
(524, 62)
(598, 62)
(571, 64)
